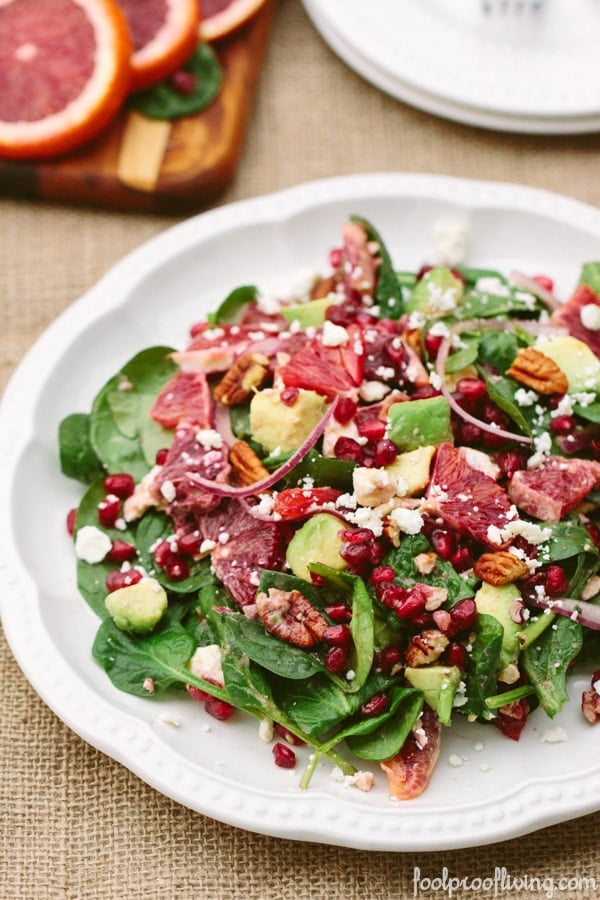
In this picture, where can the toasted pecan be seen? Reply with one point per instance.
(426, 647)
(499, 568)
(291, 617)
(539, 372)
(246, 373)
(245, 463)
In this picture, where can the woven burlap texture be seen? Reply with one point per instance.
(75, 824)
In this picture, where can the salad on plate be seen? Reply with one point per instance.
(355, 512)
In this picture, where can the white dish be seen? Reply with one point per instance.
(153, 295)
(529, 73)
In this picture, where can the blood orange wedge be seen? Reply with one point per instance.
(222, 17)
(164, 35)
(64, 72)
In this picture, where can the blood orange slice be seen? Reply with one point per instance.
(164, 35)
(222, 17)
(64, 72)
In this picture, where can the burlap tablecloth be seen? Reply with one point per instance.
(75, 824)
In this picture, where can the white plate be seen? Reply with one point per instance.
(153, 295)
(529, 73)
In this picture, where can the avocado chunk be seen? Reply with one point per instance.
(317, 541)
(439, 685)
(411, 470)
(278, 426)
(417, 423)
(577, 361)
(138, 607)
(436, 294)
(496, 601)
(311, 313)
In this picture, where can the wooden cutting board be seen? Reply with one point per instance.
(162, 167)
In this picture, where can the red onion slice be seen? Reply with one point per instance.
(229, 490)
(587, 614)
(518, 279)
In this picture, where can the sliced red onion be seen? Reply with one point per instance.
(440, 366)
(229, 490)
(518, 279)
(223, 424)
(587, 614)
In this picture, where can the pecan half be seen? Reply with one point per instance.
(590, 706)
(500, 567)
(289, 616)
(246, 373)
(538, 372)
(425, 647)
(245, 463)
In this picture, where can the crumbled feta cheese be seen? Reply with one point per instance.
(590, 316)
(491, 284)
(206, 664)
(334, 335)
(168, 491)
(169, 719)
(455, 760)
(410, 521)
(450, 239)
(207, 545)
(479, 746)
(372, 391)
(543, 447)
(372, 486)
(556, 735)
(91, 544)
(266, 730)
(441, 300)
(525, 398)
(268, 305)
(350, 674)
(416, 320)
(209, 438)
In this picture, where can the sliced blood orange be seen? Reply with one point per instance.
(164, 35)
(221, 17)
(64, 72)
(410, 770)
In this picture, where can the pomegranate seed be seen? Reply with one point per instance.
(284, 757)
(467, 433)
(115, 579)
(391, 594)
(423, 271)
(461, 559)
(382, 574)
(335, 258)
(219, 709)
(347, 448)
(289, 395)
(472, 389)
(433, 342)
(288, 736)
(184, 82)
(425, 392)
(336, 660)
(372, 429)
(595, 677)
(544, 281)
(456, 655)
(345, 410)
(109, 511)
(176, 568)
(376, 552)
(464, 614)
(563, 424)
(161, 456)
(511, 461)
(162, 553)
(189, 544)
(342, 314)
(317, 579)
(356, 554)
(385, 452)
(396, 351)
(121, 485)
(356, 535)
(339, 612)
(338, 635)
(444, 542)
(71, 521)
(556, 580)
(594, 533)
(378, 704)
(121, 551)
(388, 659)
(411, 607)
(198, 693)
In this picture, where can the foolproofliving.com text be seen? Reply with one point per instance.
(500, 883)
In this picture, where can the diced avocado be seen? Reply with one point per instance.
(138, 607)
(577, 361)
(496, 601)
(276, 425)
(436, 294)
(411, 470)
(417, 423)
(311, 313)
(316, 541)
(439, 685)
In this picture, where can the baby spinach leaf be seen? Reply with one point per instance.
(246, 684)
(570, 541)
(77, 457)
(589, 412)
(164, 101)
(464, 357)
(482, 673)
(502, 392)
(122, 433)
(283, 581)
(152, 528)
(91, 578)
(590, 275)
(324, 471)
(546, 662)
(388, 292)
(233, 304)
(390, 734)
(249, 637)
(499, 349)
(472, 274)
(477, 304)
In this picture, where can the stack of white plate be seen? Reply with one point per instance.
(513, 68)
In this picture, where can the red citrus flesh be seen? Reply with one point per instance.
(164, 35)
(220, 18)
(64, 72)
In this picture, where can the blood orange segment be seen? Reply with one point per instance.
(410, 770)
(221, 17)
(64, 72)
(164, 35)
